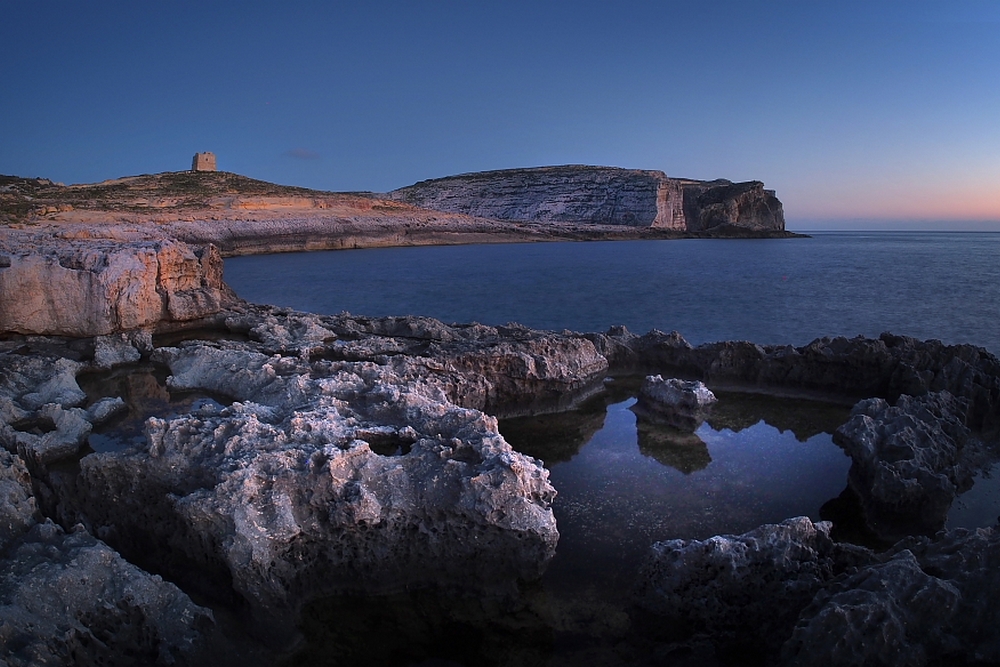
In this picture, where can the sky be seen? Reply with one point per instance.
(877, 114)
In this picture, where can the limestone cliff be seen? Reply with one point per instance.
(603, 195)
(95, 287)
(722, 204)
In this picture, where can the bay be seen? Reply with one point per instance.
(939, 285)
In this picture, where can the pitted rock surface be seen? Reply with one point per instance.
(683, 404)
(928, 601)
(353, 453)
(322, 477)
(69, 599)
(745, 591)
(910, 460)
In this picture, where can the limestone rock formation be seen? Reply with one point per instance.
(746, 591)
(602, 195)
(683, 404)
(353, 453)
(572, 193)
(92, 288)
(787, 594)
(908, 461)
(325, 474)
(728, 207)
(927, 601)
(67, 598)
(71, 599)
(847, 369)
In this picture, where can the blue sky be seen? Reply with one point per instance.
(857, 113)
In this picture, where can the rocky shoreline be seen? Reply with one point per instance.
(242, 216)
(343, 454)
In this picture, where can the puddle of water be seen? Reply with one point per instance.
(629, 486)
(979, 507)
(144, 390)
(621, 488)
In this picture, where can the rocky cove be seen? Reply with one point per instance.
(337, 472)
(358, 456)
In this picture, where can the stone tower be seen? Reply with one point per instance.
(203, 162)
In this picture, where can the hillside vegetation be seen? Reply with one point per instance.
(23, 199)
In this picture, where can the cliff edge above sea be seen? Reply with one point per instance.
(242, 216)
(607, 196)
(146, 251)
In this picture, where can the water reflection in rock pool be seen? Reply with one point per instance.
(623, 486)
(143, 388)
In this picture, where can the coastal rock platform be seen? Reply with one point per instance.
(345, 453)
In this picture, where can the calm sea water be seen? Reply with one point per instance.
(927, 285)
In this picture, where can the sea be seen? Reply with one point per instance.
(623, 485)
(782, 291)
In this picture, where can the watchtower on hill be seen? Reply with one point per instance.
(203, 162)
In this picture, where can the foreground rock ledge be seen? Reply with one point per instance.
(320, 478)
(349, 453)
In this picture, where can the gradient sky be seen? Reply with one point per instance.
(857, 113)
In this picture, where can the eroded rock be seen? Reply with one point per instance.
(886, 367)
(358, 479)
(355, 455)
(67, 598)
(910, 461)
(744, 591)
(95, 287)
(70, 599)
(682, 404)
(928, 601)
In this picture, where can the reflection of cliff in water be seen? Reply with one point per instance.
(681, 450)
(737, 411)
(557, 437)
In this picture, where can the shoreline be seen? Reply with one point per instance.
(317, 232)
(346, 437)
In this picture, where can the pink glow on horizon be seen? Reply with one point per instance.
(936, 201)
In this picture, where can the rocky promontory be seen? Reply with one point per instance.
(241, 215)
(604, 195)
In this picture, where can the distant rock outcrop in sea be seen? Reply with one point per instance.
(602, 195)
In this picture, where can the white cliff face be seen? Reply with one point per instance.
(603, 195)
(96, 287)
(600, 195)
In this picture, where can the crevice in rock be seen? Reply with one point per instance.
(35, 425)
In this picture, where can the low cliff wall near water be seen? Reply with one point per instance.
(95, 287)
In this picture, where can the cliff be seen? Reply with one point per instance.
(145, 251)
(92, 287)
(722, 204)
(603, 195)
